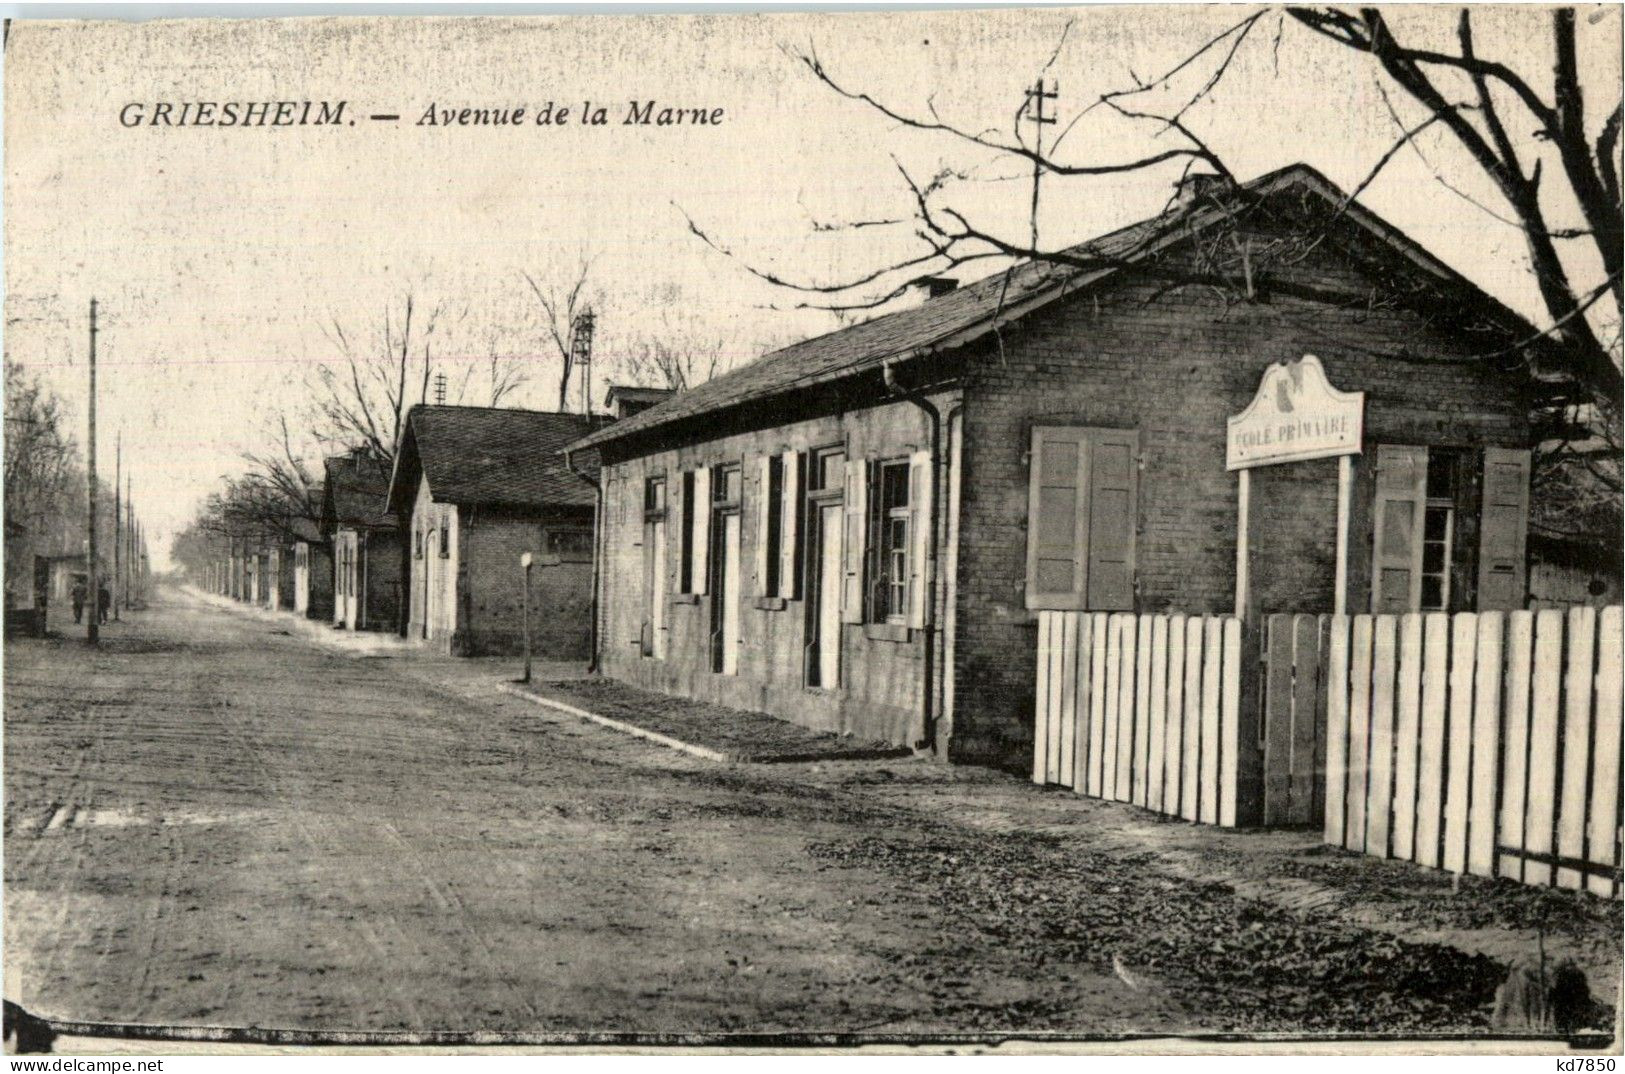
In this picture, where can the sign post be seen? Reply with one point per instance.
(1296, 415)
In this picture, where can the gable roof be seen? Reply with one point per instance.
(971, 312)
(354, 491)
(482, 455)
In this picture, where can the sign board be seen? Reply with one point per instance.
(1296, 415)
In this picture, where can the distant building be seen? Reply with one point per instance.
(366, 543)
(474, 488)
(625, 400)
(312, 571)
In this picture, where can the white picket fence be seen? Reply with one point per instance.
(1479, 743)
(1145, 709)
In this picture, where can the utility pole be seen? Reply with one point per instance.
(92, 583)
(130, 561)
(119, 560)
(1035, 114)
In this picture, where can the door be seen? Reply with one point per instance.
(828, 622)
(725, 594)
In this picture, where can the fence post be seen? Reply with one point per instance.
(1248, 806)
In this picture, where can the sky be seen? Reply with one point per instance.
(221, 257)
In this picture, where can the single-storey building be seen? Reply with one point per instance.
(365, 542)
(624, 400)
(857, 532)
(474, 488)
(279, 574)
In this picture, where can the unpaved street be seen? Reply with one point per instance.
(214, 822)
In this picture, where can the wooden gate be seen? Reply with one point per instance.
(1293, 689)
(1147, 709)
(1481, 743)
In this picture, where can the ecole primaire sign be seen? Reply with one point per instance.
(1296, 415)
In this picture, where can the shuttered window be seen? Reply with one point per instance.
(1081, 518)
(1503, 530)
(1397, 526)
(889, 542)
(778, 484)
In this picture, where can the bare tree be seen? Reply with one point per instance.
(44, 485)
(675, 346)
(362, 397)
(1479, 100)
(663, 363)
(564, 300)
(287, 494)
(40, 455)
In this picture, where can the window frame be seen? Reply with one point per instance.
(578, 555)
(773, 585)
(1446, 501)
(884, 518)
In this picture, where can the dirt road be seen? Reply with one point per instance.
(211, 822)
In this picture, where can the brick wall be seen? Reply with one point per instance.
(489, 584)
(1174, 366)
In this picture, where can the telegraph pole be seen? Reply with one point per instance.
(130, 561)
(93, 583)
(118, 519)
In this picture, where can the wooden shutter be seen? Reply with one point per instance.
(1396, 556)
(856, 507)
(676, 521)
(790, 527)
(919, 537)
(1503, 526)
(764, 513)
(1057, 495)
(701, 521)
(1114, 472)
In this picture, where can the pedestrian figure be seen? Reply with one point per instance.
(104, 601)
(78, 601)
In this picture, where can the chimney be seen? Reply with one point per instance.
(935, 286)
